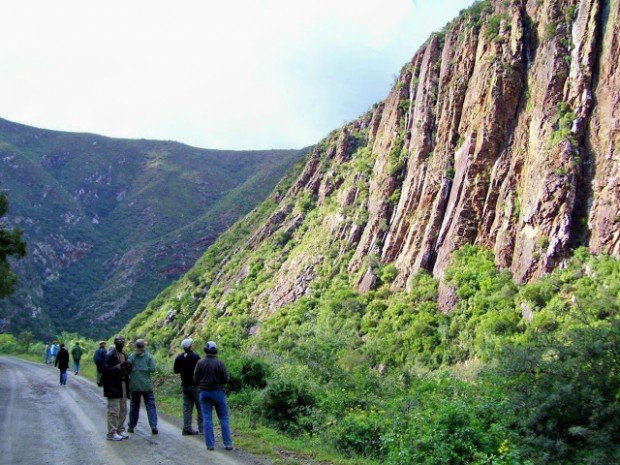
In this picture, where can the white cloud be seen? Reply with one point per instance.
(235, 74)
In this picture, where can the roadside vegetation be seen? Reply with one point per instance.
(516, 374)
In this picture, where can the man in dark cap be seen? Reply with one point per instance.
(116, 369)
(211, 375)
(99, 359)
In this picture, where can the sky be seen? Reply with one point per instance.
(233, 74)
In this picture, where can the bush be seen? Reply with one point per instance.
(286, 400)
(359, 432)
(254, 373)
(8, 344)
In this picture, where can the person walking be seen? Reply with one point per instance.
(54, 351)
(211, 375)
(76, 353)
(185, 365)
(62, 362)
(116, 369)
(141, 386)
(48, 354)
(99, 359)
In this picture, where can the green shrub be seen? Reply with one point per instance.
(254, 373)
(286, 400)
(359, 432)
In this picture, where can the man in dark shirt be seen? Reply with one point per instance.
(184, 365)
(62, 362)
(99, 359)
(211, 375)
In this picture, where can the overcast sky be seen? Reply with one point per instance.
(236, 74)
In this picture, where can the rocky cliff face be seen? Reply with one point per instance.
(503, 130)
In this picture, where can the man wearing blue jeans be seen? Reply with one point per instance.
(211, 375)
(141, 386)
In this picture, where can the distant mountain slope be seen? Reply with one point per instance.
(110, 222)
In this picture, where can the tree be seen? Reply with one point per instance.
(11, 244)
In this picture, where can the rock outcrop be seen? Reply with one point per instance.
(503, 130)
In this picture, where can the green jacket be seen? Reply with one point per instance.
(77, 352)
(140, 376)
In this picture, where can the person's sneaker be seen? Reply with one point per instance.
(210, 448)
(229, 448)
(114, 437)
(130, 429)
(191, 432)
(154, 431)
(124, 435)
(76, 373)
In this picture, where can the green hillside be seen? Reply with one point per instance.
(110, 222)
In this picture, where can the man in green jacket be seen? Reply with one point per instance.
(140, 385)
(76, 353)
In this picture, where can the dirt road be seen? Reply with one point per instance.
(42, 422)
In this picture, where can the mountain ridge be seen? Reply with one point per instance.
(110, 222)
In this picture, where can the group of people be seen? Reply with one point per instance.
(59, 355)
(126, 377)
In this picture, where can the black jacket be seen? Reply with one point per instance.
(184, 365)
(62, 359)
(211, 373)
(113, 376)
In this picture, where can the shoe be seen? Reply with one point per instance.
(210, 448)
(191, 432)
(229, 448)
(154, 431)
(76, 373)
(115, 437)
(130, 429)
(124, 435)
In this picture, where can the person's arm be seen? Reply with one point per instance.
(177, 365)
(152, 364)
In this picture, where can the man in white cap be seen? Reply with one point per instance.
(184, 365)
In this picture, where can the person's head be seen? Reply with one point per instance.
(62, 345)
(102, 344)
(119, 342)
(210, 348)
(187, 344)
(140, 345)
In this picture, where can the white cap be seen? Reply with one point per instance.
(187, 343)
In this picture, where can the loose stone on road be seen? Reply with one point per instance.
(44, 423)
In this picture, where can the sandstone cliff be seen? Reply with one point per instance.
(503, 130)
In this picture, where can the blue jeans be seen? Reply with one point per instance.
(76, 366)
(217, 399)
(63, 377)
(48, 358)
(149, 403)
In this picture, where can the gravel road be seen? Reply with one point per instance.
(42, 422)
